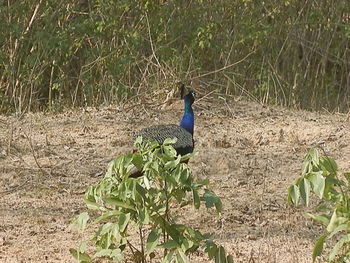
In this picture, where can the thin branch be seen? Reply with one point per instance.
(223, 68)
(33, 17)
(132, 248)
(152, 47)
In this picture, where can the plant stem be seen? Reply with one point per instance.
(143, 259)
(132, 248)
(165, 235)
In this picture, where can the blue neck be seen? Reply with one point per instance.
(187, 121)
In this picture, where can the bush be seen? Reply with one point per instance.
(320, 176)
(147, 207)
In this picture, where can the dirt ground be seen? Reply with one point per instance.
(250, 153)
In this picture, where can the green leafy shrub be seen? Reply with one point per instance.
(320, 176)
(80, 53)
(146, 207)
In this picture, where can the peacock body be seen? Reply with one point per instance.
(159, 133)
(183, 132)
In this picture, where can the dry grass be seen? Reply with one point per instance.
(249, 152)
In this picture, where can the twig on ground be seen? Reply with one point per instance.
(34, 154)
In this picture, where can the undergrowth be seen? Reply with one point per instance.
(80, 53)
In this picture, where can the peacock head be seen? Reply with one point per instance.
(189, 97)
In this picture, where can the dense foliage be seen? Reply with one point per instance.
(148, 207)
(320, 176)
(89, 52)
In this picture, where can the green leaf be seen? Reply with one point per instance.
(169, 141)
(138, 141)
(179, 194)
(196, 199)
(184, 177)
(123, 221)
(336, 221)
(188, 156)
(304, 188)
(338, 245)
(329, 165)
(332, 222)
(229, 259)
(323, 219)
(82, 257)
(117, 255)
(169, 257)
(140, 191)
(311, 160)
(211, 199)
(152, 241)
(169, 151)
(92, 204)
(201, 183)
(90, 199)
(347, 177)
(181, 257)
(211, 248)
(137, 161)
(83, 246)
(144, 216)
(147, 182)
(169, 244)
(172, 230)
(220, 256)
(114, 254)
(81, 220)
(110, 168)
(173, 163)
(121, 164)
(103, 253)
(187, 244)
(106, 233)
(307, 167)
(314, 156)
(108, 215)
(318, 248)
(318, 183)
(118, 203)
(293, 194)
(343, 227)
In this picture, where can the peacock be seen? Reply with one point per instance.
(183, 132)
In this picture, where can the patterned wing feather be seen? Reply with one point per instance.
(159, 133)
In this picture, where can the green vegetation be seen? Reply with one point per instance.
(320, 176)
(148, 207)
(78, 53)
